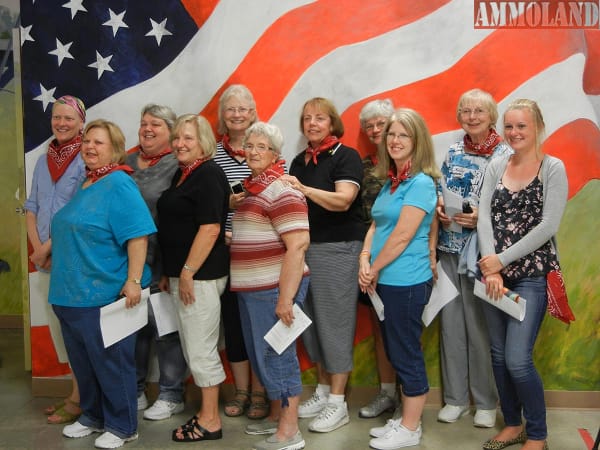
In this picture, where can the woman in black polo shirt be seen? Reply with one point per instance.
(329, 174)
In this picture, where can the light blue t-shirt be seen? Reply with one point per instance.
(89, 242)
(412, 266)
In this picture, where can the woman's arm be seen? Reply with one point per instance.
(433, 240)
(485, 233)
(296, 243)
(136, 257)
(41, 252)
(364, 260)
(339, 200)
(201, 247)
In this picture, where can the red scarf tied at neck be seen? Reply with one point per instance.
(486, 148)
(398, 176)
(255, 185)
(187, 170)
(325, 144)
(60, 156)
(95, 174)
(154, 159)
(229, 149)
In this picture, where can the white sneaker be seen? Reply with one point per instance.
(485, 418)
(331, 417)
(398, 437)
(109, 440)
(451, 413)
(163, 409)
(312, 407)
(77, 430)
(380, 404)
(380, 431)
(142, 402)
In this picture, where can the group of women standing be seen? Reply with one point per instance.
(311, 239)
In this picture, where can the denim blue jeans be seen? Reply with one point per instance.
(519, 385)
(280, 374)
(402, 330)
(106, 376)
(171, 362)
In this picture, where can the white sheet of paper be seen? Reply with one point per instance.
(510, 307)
(164, 313)
(443, 293)
(377, 305)
(280, 336)
(118, 322)
(452, 205)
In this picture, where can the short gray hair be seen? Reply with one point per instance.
(160, 112)
(240, 92)
(375, 108)
(268, 130)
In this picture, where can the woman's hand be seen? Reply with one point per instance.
(41, 255)
(467, 220)
(133, 293)
(293, 182)
(163, 283)
(433, 264)
(236, 199)
(284, 310)
(441, 213)
(494, 286)
(490, 264)
(367, 277)
(186, 288)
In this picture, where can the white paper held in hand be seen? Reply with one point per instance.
(165, 314)
(510, 307)
(280, 336)
(377, 304)
(117, 322)
(443, 293)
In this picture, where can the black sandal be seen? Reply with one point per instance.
(238, 405)
(192, 431)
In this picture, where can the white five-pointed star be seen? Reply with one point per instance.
(74, 6)
(26, 34)
(46, 96)
(116, 21)
(62, 51)
(101, 64)
(158, 30)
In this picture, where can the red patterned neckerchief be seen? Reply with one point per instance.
(229, 149)
(255, 185)
(486, 148)
(187, 170)
(154, 159)
(401, 176)
(325, 144)
(373, 159)
(61, 155)
(95, 174)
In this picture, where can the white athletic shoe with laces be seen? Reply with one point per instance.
(377, 432)
(331, 418)
(398, 437)
(312, 407)
(163, 409)
(380, 404)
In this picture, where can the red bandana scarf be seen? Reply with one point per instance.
(325, 144)
(96, 174)
(154, 159)
(61, 155)
(259, 183)
(227, 146)
(187, 170)
(401, 176)
(486, 148)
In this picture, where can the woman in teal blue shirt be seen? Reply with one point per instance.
(395, 261)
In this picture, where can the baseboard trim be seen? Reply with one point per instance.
(11, 321)
(60, 387)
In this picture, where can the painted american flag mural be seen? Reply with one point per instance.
(118, 55)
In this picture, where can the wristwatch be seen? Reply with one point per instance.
(136, 280)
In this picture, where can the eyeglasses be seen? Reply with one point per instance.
(400, 136)
(260, 148)
(476, 112)
(240, 110)
(371, 126)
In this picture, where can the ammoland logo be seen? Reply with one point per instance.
(537, 14)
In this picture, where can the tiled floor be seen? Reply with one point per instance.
(23, 425)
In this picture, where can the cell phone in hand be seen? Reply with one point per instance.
(466, 207)
(237, 187)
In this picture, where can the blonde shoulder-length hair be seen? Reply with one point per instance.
(423, 155)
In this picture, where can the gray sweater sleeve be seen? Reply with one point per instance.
(554, 180)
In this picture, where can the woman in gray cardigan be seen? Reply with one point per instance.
(522, 203)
